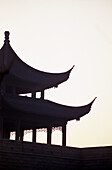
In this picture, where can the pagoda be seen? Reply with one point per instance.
(19, 113)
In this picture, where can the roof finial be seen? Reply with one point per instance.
(7, 33)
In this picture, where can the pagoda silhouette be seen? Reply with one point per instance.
(19, 113)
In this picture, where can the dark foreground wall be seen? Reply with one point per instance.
(15, 155)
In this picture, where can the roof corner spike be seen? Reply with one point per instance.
(93, 100)
(7, 33)
(72, 68)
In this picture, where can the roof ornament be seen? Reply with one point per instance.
(93, 100)
(71, 68)
(7, 33)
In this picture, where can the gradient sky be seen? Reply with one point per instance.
(54, 35)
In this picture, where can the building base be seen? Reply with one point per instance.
(15, 155)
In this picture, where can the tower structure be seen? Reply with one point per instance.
(19, 113)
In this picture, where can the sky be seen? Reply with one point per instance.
(54, 35)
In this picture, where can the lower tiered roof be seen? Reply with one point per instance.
(28, 106)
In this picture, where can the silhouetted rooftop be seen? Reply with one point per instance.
(43, 108)
(17, 77)
(25, 78)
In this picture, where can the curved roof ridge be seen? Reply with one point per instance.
(46, 107)
(68, 71)
(21, 72)
(71, 106)
(5, 44)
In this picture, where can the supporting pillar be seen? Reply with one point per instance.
(49, 131)
(34, 135)
(18, 131)
(21, 134)
(64, 135)
(34, 94)
(1, 128)
(42, 94)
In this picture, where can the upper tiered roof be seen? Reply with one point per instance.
(18, 113)
(25, 78)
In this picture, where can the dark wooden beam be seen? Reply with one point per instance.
(34, 135)
(42, 94)
(21, 134)
(18, 130)
(64, 134)
(49, 134)
(34, 94)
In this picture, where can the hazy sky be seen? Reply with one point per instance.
(54, 35)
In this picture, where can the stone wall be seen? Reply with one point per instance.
(15, 155)
(96, 158)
